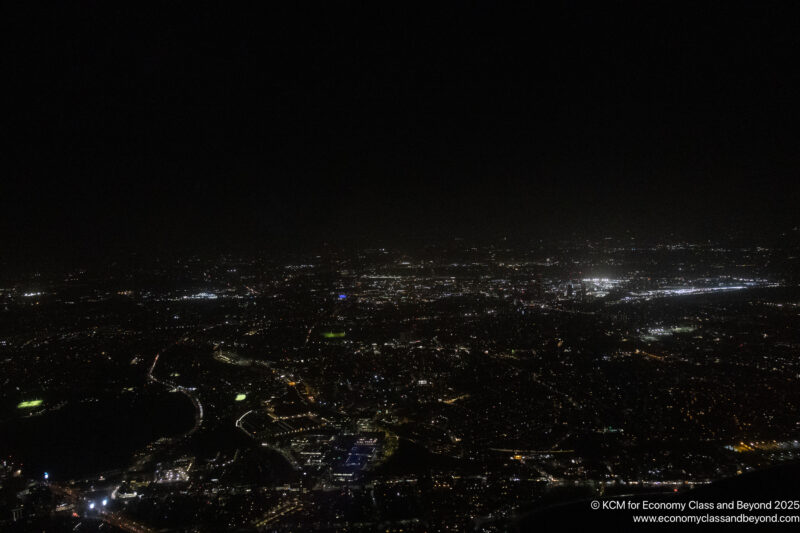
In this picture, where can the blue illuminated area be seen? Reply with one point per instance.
(342, 296)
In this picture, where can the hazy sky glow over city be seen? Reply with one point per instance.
(213, 126)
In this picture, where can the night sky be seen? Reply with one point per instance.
(187, 127)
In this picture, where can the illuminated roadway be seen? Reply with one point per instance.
(115, 519)
(198, 417)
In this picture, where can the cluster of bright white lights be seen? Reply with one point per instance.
(201, 296)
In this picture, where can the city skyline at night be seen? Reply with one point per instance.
(453, 268)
